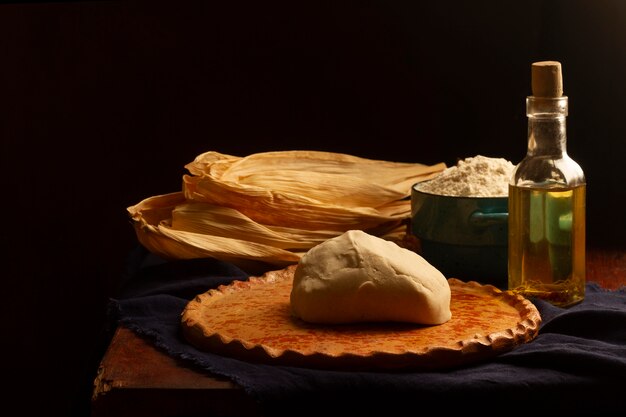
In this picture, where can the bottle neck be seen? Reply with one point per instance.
(547, 126)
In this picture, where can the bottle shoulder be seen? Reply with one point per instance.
(548, 171)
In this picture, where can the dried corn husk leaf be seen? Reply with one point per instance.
(152, 221)
(307, 189)
(222, 221)
(205, 218)
(270, 208)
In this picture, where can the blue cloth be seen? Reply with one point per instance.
(575, 366)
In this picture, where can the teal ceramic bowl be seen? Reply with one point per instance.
(463, 237)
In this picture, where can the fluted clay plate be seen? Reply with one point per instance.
(251, 320)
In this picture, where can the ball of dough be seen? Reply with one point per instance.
(358, 277)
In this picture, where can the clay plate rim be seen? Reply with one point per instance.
(466, 351)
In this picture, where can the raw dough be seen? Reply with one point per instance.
(357, 277)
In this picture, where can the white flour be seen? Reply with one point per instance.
(477, 176)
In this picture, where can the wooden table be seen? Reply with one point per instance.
(136, 379)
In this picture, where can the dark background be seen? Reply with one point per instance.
(103, 103)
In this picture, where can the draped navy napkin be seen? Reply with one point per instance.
(575, 366)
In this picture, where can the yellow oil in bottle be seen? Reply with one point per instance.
(547, 243)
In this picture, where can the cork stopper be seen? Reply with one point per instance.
(547, 80)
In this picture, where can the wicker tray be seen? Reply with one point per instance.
(251, 320)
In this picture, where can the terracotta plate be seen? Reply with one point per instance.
(251, 320)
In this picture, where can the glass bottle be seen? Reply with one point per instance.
(546, 251)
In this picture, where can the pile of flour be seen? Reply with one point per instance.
(477, 176)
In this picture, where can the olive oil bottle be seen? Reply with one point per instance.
(547, 194)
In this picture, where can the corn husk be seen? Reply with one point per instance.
(306, 189)
(270, 208)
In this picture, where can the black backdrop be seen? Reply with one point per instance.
(103, 103)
